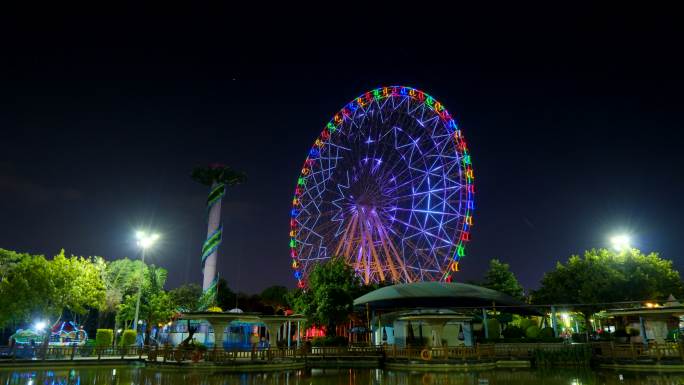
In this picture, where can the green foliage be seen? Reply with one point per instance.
(218, 173)
(606, 276)
(104, 337)
(156, 305)
(525, 323)
(546, 332)
(8, 260)
(532, 331)
(125, 275)
(275, 297)
(25, 290)
(500, 278)
(330, 341)
(504, 318)
(77, 285)
(198, 345)
(33, 286)
(513, 331)
(225, 297)
(128, 338)
(330, 295)
(186, 297)
(494, 328)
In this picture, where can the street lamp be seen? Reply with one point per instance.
(620, 242)
(145, 241)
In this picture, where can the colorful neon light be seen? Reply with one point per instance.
(422, 173)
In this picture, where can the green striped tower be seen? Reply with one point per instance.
(217, 177)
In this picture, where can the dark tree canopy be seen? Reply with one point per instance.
(329, 298)
(603, 275)
(218, 173)
(500, 278)
(186, 298)
(274, 296)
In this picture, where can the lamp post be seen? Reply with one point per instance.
(144, 241)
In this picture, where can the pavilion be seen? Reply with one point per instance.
(655, 322)
(439, 313)
(246, 322)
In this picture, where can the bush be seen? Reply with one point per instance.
(330, 341)
(513, 331)
(546, 332)
(128, 338)
(197, 345)
(494, 328)
(532, 331)
(104, 337)
(526, 323)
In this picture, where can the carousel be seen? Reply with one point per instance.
(65, 333)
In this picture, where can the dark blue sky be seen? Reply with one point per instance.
(574, 122)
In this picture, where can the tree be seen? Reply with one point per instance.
(186, 298)
(500, 278)
(34, 287)
(226, 299)
(330, 296)
(9, 259)
(156, 305)
(602, 276)
(25, 290)
(125, 275)
(274, 296)
(77, 285)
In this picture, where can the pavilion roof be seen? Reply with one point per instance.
(440, 295)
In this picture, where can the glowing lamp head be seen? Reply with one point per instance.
(39, 325)
(620, 242)
(146, 240)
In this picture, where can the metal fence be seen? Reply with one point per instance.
(71, 352)
(654, 351)
(604, 351)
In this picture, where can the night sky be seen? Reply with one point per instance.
(574, 122)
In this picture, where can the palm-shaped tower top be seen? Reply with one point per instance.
(218, 173)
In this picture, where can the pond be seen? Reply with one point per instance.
(150, 376)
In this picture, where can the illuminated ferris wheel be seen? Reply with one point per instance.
(388, 186)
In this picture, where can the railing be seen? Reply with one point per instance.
(604, 351)
(462, 353)
(345, 351)
(526, 350)
(71, 352)
(634, 352)
(167, 354)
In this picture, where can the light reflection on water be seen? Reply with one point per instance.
(151, 376)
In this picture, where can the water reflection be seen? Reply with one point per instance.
(151, 376)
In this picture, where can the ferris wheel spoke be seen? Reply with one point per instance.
(387, 243)
(386, 189)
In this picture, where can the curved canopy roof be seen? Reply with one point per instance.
(440, 295)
